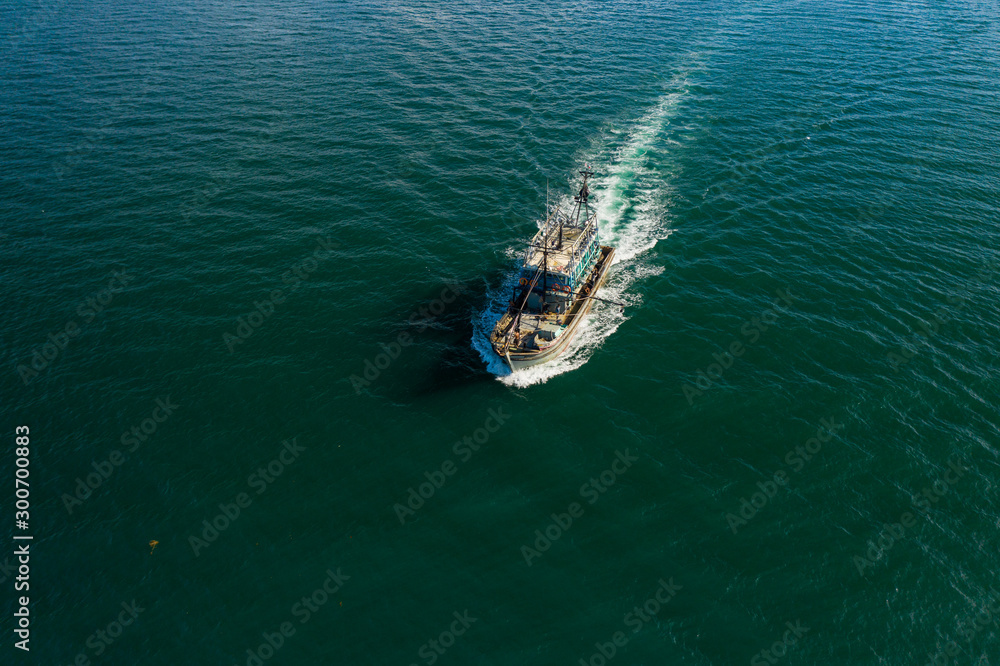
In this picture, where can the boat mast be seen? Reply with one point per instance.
(560, 217)
(582, 199)
(545, 269)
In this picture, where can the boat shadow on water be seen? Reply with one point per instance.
(440, 356)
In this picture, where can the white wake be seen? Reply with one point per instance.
(630, 190)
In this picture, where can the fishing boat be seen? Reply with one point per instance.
(564, 267)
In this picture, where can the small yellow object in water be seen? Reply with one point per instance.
(152, 546)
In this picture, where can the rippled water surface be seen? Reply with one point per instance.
(292, 223)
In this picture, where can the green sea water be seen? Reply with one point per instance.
(251, 250)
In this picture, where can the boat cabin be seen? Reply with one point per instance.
(558, 260)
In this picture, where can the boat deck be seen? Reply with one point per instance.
(559, 256)
(536, 333)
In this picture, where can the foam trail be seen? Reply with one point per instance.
(630, 193)
(629, 190)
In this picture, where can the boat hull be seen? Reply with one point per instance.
(521, 359)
